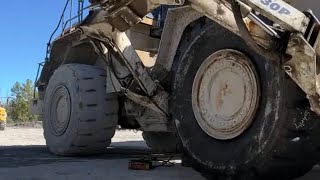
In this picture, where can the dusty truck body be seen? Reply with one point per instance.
(231, 84)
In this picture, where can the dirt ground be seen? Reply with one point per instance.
(23, 156)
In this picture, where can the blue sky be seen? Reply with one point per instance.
(24, 31)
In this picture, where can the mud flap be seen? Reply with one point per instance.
(35, 107)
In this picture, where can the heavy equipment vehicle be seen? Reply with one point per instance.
(233, 84)
(3, 118)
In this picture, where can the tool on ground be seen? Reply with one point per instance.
(149, 163)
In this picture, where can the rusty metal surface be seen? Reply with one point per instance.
(258, 34)
(302, 66)
(225, 94)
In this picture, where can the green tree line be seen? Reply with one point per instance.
(18, 107)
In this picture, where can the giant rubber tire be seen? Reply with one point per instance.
(162, 142)
(94, 113)
(282, 141)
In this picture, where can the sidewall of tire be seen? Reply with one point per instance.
(62, 143)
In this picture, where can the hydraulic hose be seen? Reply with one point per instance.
(246, 35)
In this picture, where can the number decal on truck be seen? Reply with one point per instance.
(276, 7)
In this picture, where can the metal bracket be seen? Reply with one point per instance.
(147, 102)
(123, 18)
(302, 67)
(123, 14)
(35, 107)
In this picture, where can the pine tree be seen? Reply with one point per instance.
(19, 106)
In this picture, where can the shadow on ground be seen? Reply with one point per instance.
(18, 161)
(22, 156)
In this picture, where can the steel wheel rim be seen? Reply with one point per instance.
(60, 110)
(225, 94)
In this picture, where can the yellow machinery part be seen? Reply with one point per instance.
(3, 114)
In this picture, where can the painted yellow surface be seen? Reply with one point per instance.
(3, 114)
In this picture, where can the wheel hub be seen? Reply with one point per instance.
(60, 110)
(225, 94)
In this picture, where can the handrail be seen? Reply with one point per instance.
(55, 30)
(64, 24)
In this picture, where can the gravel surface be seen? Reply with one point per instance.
(21, 137)
(14, 136)
(23, 156)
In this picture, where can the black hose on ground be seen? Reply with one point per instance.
(246, 35)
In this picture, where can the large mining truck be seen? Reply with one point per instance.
(232, 84)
